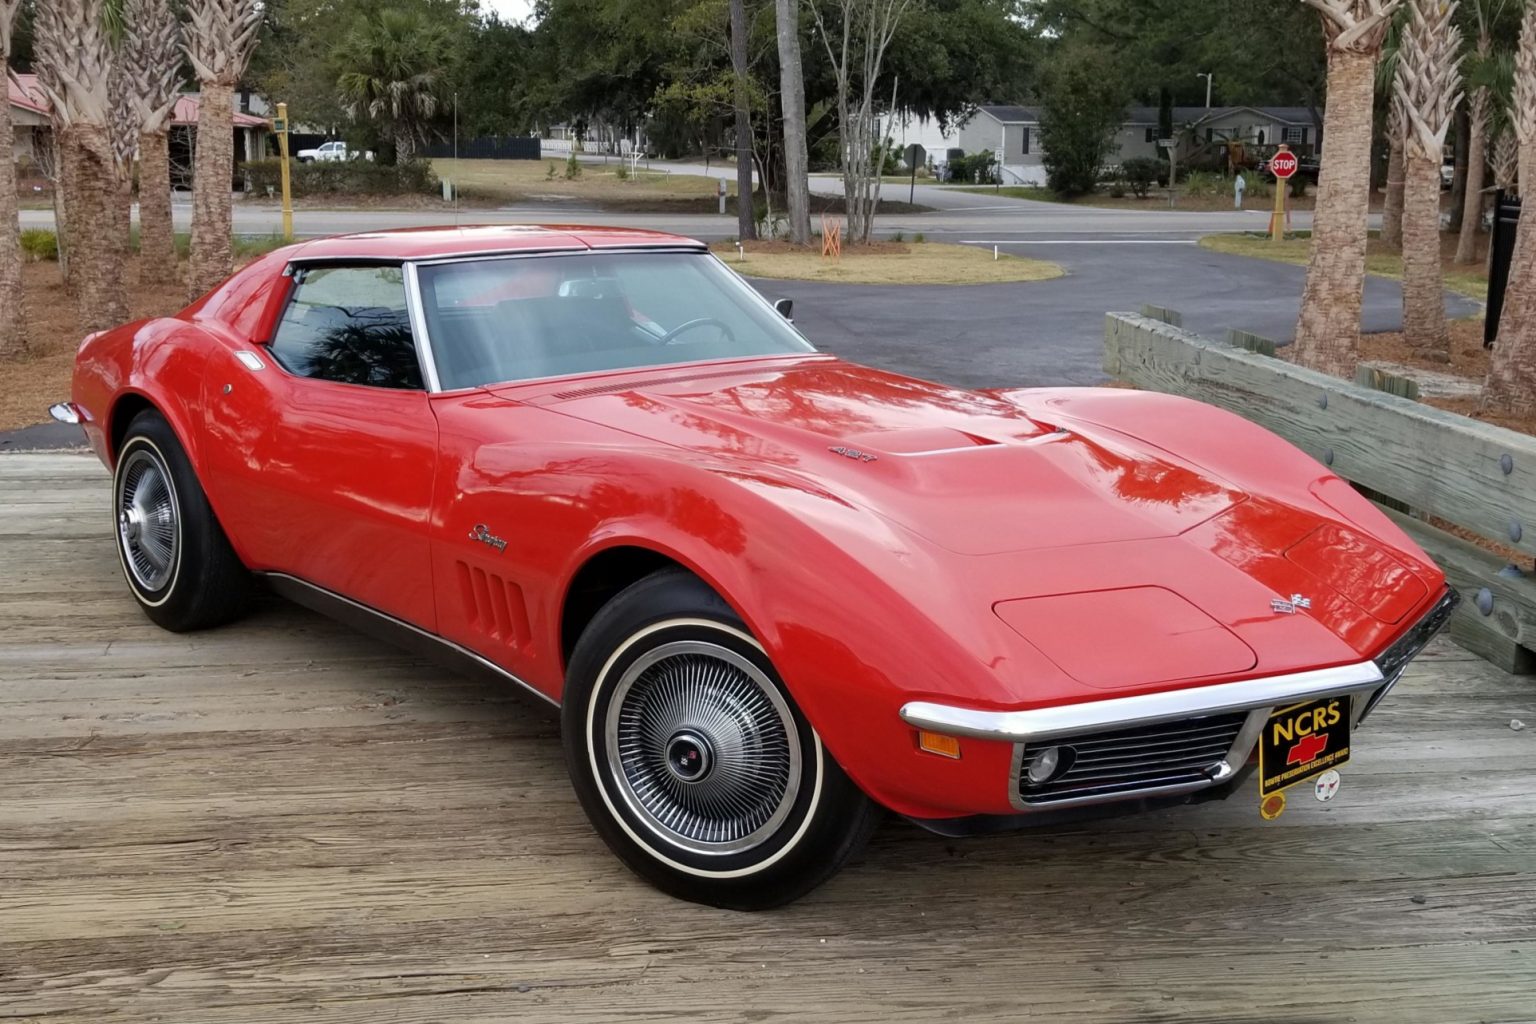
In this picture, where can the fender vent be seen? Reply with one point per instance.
(494, 606)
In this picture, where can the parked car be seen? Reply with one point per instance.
(771, 591)
(328, 152)
(1447, 174)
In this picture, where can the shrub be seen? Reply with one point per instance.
(572, 167)
(549, 175)
(39, 244)
(1206, 183)
(1141, 173)
(919, 238)
(356, 177)
(976, 169)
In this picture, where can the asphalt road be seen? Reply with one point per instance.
(980, 335)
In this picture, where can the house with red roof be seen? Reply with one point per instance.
(33, 127)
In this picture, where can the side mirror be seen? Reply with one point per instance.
(786, 308)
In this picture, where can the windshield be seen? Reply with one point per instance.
(497, 320)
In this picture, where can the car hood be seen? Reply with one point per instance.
(968, 471)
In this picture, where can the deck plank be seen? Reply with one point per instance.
(280, 819)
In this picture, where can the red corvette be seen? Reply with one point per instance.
(771, 592)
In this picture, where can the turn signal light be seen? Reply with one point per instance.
(938, 743)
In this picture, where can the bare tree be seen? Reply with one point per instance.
(746, 223)
(220, 35)
(13, 313)
(1328, 331)
(797, 187)
(856, 48)
(1511, 384)
(1426, 93)
(151, 61)
(71, 44)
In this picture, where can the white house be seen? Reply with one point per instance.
(1014, 132)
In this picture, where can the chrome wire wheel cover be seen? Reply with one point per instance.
(148, 526)
(703, 747)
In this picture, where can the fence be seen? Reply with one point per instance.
(1453, 472)
(488, 147)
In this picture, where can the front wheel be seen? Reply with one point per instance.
(693, 761)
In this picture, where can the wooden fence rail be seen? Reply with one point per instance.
(1447, 468)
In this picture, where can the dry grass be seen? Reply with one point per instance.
(1380, 260)
(1157, 199)
(514, 180)
(887, 263)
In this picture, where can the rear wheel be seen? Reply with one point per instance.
(175, 557)
(693, 761)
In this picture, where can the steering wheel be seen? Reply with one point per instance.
(725, 329)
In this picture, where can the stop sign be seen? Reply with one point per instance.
(1283, 164)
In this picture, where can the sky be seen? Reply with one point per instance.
(510, 10)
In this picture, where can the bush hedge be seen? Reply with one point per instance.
(343, 177)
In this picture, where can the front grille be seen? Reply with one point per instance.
(1126, 761)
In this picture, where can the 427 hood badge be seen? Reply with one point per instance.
(1285, 607)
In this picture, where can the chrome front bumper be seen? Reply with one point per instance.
(1366, 682)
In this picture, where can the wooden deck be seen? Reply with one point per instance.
(282, 820)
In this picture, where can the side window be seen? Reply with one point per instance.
(349, 324)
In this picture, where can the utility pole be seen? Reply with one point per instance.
(1207, 76)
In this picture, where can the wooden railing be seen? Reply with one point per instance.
(1448, 471)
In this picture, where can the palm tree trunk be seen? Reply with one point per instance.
(797, 186)
(157, 240)
(213, 257)
(13, 313)
(1511, 384)
(405, 146)
(1392, 207)
(1424, 323)
(96, 242)
(1472, 202)
(746, 223)
(1328, 331)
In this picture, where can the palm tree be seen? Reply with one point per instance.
(1328, 332)
(151, 61)
(1511, 384)
(392, 74)
(1426, 92)
(13, 315)
(74, 54)
(220, 35)
(1392, 204)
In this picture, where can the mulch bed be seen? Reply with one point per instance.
(42, 377)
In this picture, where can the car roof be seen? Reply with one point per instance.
(434, 242)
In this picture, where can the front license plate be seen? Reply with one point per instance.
(1303, 741)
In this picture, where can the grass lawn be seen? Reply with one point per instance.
(508, 181)
(1157, 199)
(1380, 260)
(887, 263)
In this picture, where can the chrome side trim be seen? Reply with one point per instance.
(1145, 709)
(387, 627)
(65, 412)
(413, 311)
(564, 250)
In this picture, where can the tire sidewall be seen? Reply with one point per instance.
(594, 710)
(143, 438)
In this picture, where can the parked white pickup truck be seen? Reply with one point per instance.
(328, 152)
